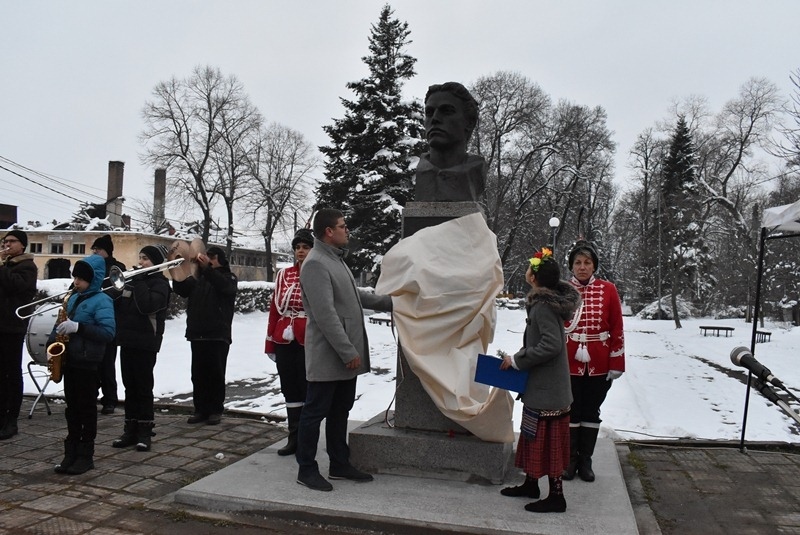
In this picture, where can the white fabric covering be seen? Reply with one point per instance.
(443, 281)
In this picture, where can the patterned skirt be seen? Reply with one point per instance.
(547, 452)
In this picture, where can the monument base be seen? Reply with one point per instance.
(379, 449)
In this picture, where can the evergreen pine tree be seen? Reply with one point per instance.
(374, 149)
(686, 256)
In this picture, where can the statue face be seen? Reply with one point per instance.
(445, 121)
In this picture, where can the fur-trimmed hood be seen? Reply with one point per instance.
(564, 300)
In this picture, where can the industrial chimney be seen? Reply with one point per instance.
(159, 199)
(114, 198)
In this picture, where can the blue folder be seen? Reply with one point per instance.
(488, 372)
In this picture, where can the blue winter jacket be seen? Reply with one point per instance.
(94, 312)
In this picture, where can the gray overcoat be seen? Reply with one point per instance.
(335, 332)
(545, 349)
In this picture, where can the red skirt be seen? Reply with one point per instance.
(548, 453)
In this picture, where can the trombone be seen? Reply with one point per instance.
(116, 276)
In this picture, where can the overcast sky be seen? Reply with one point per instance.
(74, 76)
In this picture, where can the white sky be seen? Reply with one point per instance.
(74, 76)
(677, 383)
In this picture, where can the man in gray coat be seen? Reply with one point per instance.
(337, 350)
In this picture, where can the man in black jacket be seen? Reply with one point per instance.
(18, 275)
(209, 314)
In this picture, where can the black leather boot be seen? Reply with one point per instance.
(84, 460)
(144, 432)
(569, 473)
(528, 489)
(293, 415)
(588, 439)
(70, 454)
(128, 437)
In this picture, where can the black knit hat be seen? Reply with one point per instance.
(219, 253)
(584, 247)
(83, 270)
(104, 242)
(156, 253)
(303, 235)
(20, 235)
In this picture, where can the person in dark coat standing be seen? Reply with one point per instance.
(141, 315)
(209, 315)
(286, 335)
(18, 275)
(90, 325)
(104, 247)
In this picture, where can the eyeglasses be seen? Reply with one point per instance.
(11, 240)
(341, 226)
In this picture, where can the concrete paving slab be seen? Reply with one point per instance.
(266, 482)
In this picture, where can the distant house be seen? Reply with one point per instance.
(56, 251)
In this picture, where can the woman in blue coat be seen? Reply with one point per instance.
(90, 325)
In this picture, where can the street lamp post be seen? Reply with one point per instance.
(554, 222)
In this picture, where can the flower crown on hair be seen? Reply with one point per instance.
(540, 257)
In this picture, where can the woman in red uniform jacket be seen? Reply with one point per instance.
(596, 349)
(286, 333)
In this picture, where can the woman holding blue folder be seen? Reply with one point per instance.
(543, 447)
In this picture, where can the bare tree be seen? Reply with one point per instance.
(239, 136)
(280, 168)
(182, 129)
(789, 147)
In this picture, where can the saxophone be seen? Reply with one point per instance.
(57, 351)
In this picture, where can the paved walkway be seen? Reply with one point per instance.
(703, 489)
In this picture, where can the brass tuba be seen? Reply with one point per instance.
(57, 351)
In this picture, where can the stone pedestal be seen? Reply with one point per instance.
(422, 441)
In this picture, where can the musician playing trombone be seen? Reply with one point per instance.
(18, 275)
(141, 313)
(90, 325)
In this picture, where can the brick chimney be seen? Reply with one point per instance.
(114, 198)
(159, 199)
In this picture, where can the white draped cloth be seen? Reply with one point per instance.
(443, 281)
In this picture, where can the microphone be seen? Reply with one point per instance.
(741, 356)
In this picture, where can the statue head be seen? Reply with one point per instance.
(451, 114)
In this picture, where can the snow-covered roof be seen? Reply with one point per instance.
(784, 218)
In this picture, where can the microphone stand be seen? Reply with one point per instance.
(773, 396)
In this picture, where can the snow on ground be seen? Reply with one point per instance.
(678, 383)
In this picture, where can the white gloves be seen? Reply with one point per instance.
(613, 374)
(67, 327)
(271, 356)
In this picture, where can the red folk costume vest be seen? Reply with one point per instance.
(287, 319)
(597, 342)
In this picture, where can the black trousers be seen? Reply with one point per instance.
(107, 375)
(588, 393)
(209, 360)
(80, 393)
(137, 366)
(10, 375)
(331, 401)
(291, 361)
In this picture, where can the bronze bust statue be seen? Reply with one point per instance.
(447, 173)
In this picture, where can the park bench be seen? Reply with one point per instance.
(716, 330)
(762, 336)
(380, 319)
